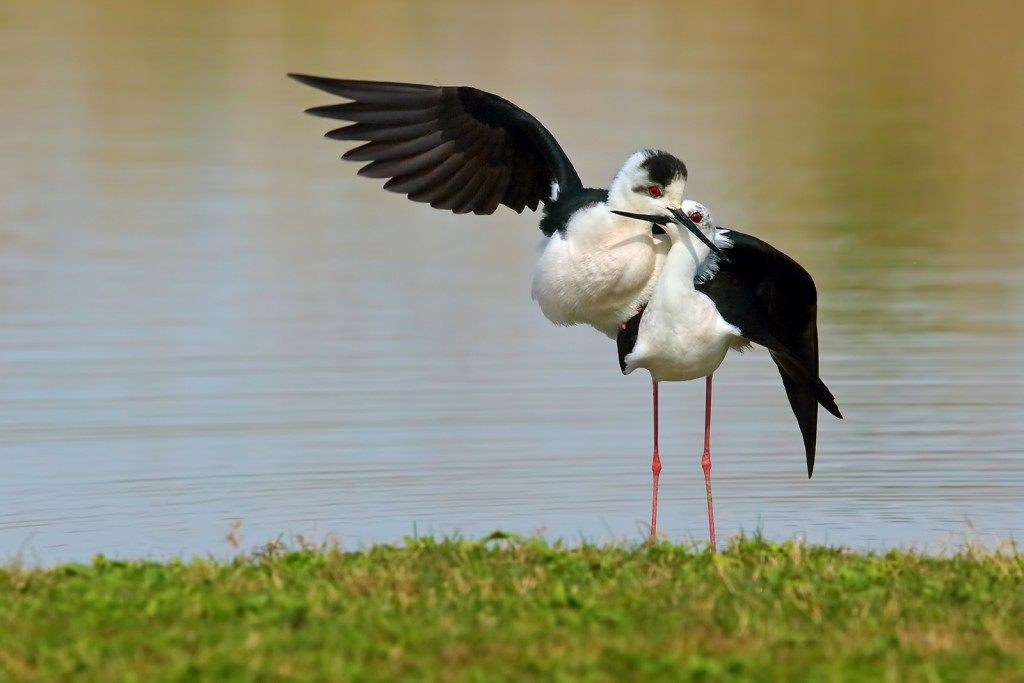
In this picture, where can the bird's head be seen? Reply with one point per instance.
(701, 217)
(650, 182)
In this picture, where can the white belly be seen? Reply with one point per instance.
(601, 284)
(685, 344)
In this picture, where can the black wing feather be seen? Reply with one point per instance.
(626, 339)
(382, 132)
(774, 303)
(431, 141)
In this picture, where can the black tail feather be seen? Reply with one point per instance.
(805, 392)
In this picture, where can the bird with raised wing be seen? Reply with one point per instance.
(466, 150)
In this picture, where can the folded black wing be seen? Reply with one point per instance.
(456, 148)
(774, 303)
(626, 339)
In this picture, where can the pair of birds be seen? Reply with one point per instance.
(635, 261)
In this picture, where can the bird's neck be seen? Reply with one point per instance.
(674, 300)
(596, 224)
(685, 256)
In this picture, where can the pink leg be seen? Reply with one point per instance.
(655, 468)
(705, 461)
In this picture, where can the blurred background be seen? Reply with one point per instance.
(207, 318)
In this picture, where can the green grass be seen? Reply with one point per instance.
(508, 609)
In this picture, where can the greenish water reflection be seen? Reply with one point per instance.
(205, 316)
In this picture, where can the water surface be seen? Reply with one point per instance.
(206, 317)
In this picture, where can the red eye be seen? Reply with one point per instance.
(696, 216)
(654, 191)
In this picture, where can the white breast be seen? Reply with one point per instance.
(599, 272)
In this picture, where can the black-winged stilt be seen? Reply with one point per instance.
(465, 150)
(721, 289)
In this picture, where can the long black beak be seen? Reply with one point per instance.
(657, 220)
(678, 216)
(684, 220)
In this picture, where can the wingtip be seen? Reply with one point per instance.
(318, 82)
(318, 112)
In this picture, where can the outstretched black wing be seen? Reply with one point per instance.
(456, 148)
(774, 303)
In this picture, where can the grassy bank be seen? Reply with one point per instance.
(520, 610)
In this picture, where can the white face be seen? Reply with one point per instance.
(649, 183)
(701, 215)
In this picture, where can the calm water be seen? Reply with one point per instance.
(206, 317)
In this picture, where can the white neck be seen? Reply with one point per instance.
(685, 256)
(598, 225)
